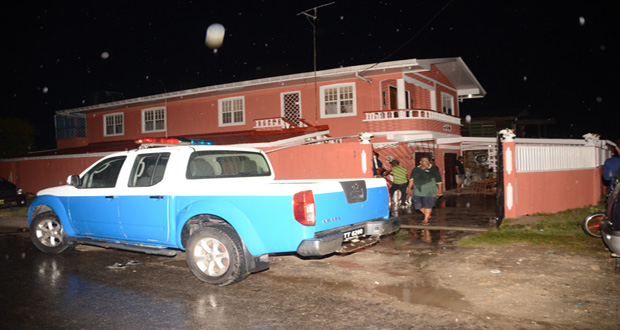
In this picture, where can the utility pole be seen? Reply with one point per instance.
(312, 20)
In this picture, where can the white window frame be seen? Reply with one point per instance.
(221, 103)
(447, 99)
(153, 111)
(338, 100)
(114, 117)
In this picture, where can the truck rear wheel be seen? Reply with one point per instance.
(215, 255)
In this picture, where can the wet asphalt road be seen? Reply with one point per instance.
(80, 290)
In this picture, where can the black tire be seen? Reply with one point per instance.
(48, 235)
(215, 255)
(591, 224)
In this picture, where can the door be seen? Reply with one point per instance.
(144, 210)
(291, 107)
(93, 208)
(450, 168)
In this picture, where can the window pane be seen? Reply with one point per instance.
(238, 116)
(346, 107)
(331, 108)
(104, 174)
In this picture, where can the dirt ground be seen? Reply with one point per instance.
(518, 286)
(420, 286)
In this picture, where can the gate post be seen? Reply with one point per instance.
(509, 173)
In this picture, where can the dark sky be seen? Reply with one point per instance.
(553, 58)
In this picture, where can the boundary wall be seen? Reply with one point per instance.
(549, 176)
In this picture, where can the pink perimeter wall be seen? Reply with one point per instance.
(551, 192)
(323, 161)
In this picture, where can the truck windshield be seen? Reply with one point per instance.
(226, 164)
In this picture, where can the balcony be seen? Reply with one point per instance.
(411, 120)
(409, 114)
(278, 123)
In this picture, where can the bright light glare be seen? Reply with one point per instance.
(215, 36)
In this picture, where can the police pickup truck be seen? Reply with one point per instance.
(219, 204)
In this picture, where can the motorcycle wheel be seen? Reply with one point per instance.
(591, 224)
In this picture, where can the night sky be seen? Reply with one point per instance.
(552, 58)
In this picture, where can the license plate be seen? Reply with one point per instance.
(347, 235)
(1, 201)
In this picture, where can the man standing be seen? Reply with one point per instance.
(400, 181)
(425, 185)
(460, 174)
(611, 168)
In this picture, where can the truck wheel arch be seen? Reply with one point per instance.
(51, 204)
(222, 213)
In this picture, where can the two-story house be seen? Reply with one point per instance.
(408, 105)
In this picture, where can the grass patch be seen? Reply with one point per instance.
(559, 230)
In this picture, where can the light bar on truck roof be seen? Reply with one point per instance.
(171, 141)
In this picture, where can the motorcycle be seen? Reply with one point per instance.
(610, 224)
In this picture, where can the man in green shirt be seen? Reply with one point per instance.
(425, 185)
(400, 181)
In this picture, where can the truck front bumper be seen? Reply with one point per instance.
(331, 240)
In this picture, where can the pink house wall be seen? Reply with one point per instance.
(198, 114)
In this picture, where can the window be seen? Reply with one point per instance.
(338, 100)
(113, 124)
(153, 120)
(148, 169)
(104, 174)
(226, 164)
(232, 111)
(447, 104)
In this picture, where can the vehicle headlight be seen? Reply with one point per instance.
(19, 191)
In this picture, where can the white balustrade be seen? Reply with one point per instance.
(411, 115)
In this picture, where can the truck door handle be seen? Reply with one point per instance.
(156, 197)
(111, 196)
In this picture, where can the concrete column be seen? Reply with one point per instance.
(400, 93)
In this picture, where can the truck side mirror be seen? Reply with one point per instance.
(73, 180)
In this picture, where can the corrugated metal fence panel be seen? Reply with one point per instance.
(545, 158)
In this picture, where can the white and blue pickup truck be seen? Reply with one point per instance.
(220, 204)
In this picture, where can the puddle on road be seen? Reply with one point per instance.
(426, 295)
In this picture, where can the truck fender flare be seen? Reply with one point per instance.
(47, 203)
(229, 213)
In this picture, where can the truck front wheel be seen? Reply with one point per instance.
(215, 255)
(48, 235)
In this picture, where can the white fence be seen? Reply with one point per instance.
(548, 155)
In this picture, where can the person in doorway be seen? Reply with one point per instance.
(377, 166)
(460, 174)
(400, 181)
(425, 185)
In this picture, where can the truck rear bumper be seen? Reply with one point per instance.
(330, 241)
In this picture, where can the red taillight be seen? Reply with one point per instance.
(303, 208)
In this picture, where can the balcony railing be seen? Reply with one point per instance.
(406, 114)
(278, 123)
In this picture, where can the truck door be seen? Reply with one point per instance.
(144, 208)
(93, 208)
